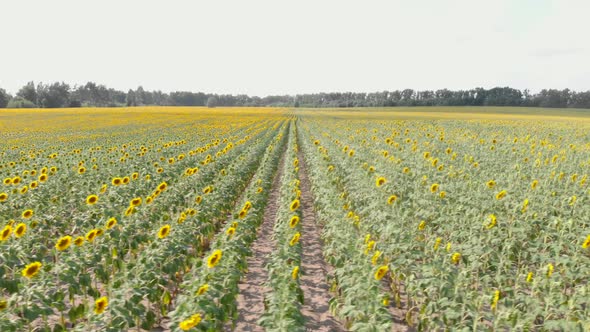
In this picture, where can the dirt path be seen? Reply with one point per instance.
(252, 286)
(313, 280)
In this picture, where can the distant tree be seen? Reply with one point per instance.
(28, 92)
(212, 102)
(20, 102)
(140, 96)
(4, 98)
(54, 95)
(130, 100)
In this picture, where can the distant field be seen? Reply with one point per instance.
(210, 219)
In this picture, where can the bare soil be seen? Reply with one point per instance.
(313, 280)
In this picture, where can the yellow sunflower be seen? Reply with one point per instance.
(380, 181)
(100, 305)
(294, 205)
(20, 230)
(164, 231)
(5, 234)
(111, 223)
(27, 214)
(295, 273)
(91, 235)
(295, 239)
(91, 199)
(214, 259)
(32, 269)
(188, 324)
(456, 258)
(203, 289)
(294, 221)
(79, 241)
(381, 272)
(63, 243)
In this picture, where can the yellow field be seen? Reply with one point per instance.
(431, 218)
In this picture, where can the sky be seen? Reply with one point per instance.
(268, 47)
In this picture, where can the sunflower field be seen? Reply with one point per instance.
(144, 218)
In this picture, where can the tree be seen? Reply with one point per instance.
(130, 100)
(20, 102)
(212, 102)
(55, 95)
(4, 98)
(28, 92)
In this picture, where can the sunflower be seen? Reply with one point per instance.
(295, 273)
(42, 178)
(20, 230)
(111, 223)
(243, 213)
(437, 243)
(135, 176)
(188, 324)
(434, 187)
(456, 258)
(27, 214)
(442, 194)
(586, 243)
(33, 184)
(207, 190)
(5, 233)
(230, 232)
(3, 305)
(136, 202)
(116, 181)
(381, 272)
(572, 200)
(91, 199)
(422, 225)
(7, 181)
(525, 205)
(162, 186)
(202, 290)
(247, 205)
(3, 197)
(501, 194)
(149, 200)
(91, 235)
(198, 199)
(529, 277)
(81, 170)
(375, 257)
(534, 184)
(126, 180)
(295, 239)
(31, 269)
(549, 270)
(406, 170)
(100, 305)
(214, 259)
(24, 190)
(129, 211)
(495, 299)
(293, 221)
(492, 222)
(380, 181)
(294, 205)
(79, 241)
(63, 243)
(16, 180)
(164, 231)
(103, 189)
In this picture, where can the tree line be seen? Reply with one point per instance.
(59, 94)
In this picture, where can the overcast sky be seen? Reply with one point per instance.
(262, 47)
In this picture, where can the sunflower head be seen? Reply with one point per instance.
(164, 231)
(100, 305)
(293, 221)
(381, 272)
(295, 239)
(20, 230)
(91, 200)
(5, 233)
(214, 259)
(111, 223)
(31, 270)
(202, 290)
(27, 214)
(294, 205)
(63, 243)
